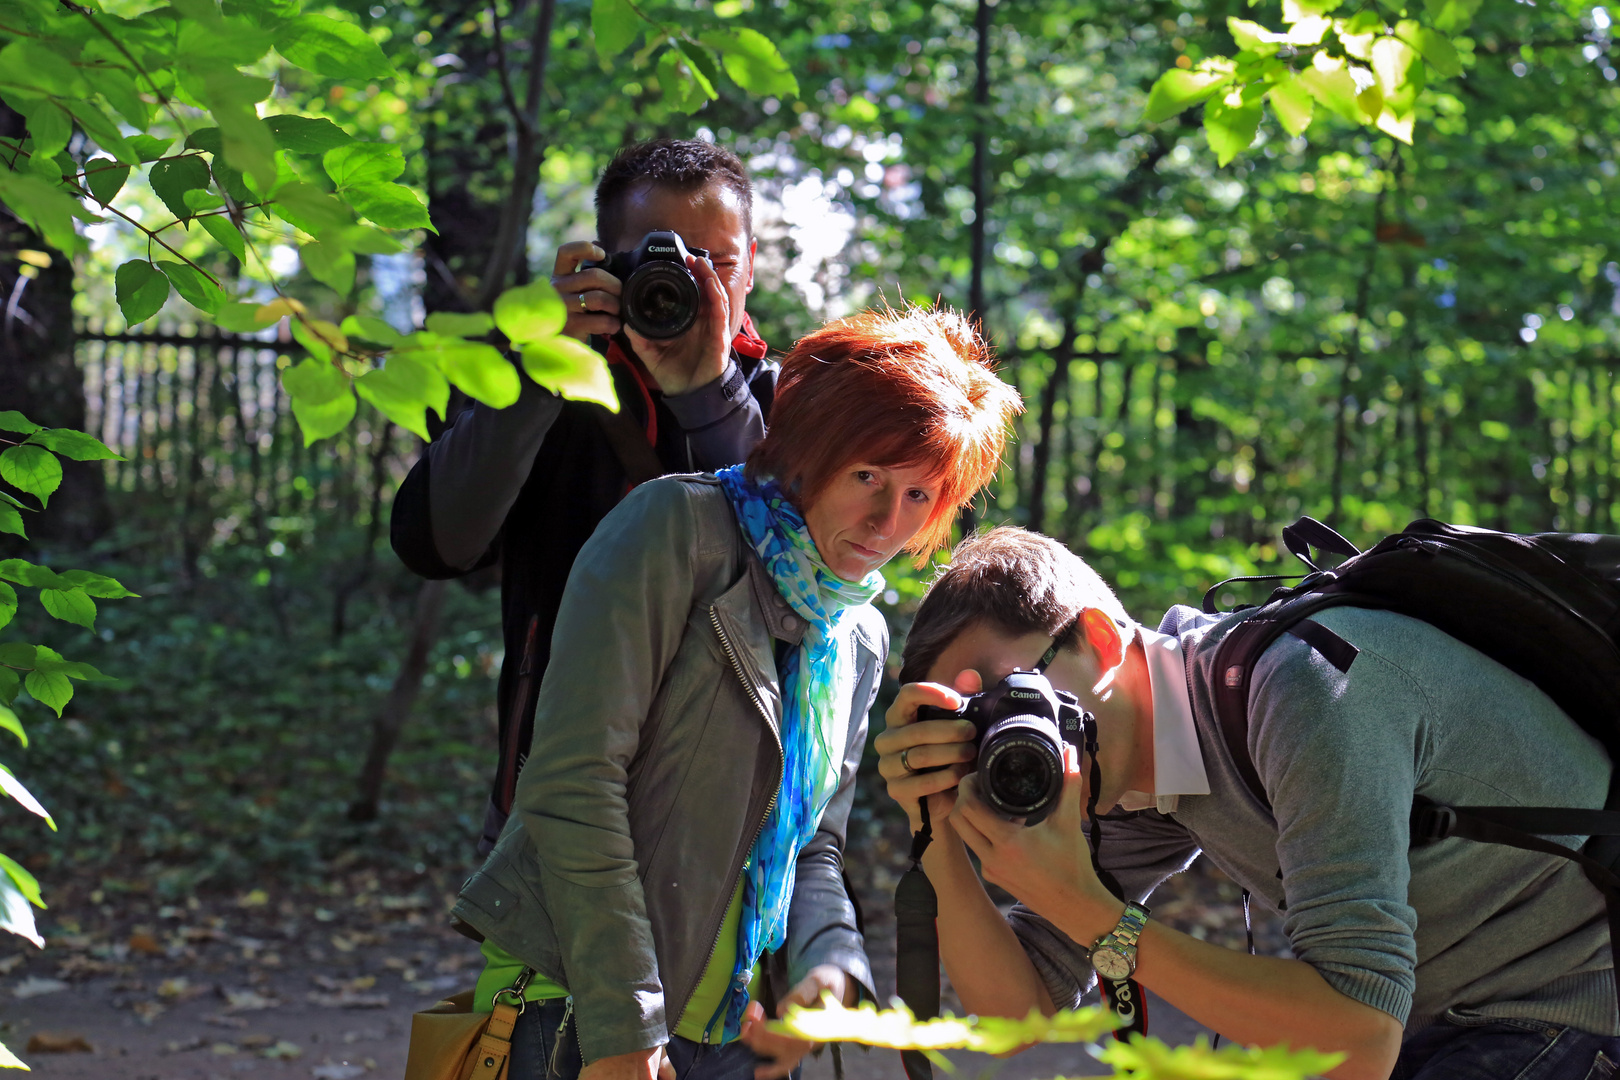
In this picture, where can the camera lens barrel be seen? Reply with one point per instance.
(660, 299)
(1020, 766)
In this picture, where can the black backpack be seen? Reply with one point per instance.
(1545, 606)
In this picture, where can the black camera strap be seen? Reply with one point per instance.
(1124, 997)
(916, 944)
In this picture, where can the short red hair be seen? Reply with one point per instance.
(909, 388)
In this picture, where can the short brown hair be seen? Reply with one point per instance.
(678, 164)
(914, 387)
(1023, 582)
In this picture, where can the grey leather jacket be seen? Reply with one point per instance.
(656, 757)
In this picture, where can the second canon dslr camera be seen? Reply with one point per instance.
(660, 297)
(1022, 723)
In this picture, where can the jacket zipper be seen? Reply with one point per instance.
(736, 666)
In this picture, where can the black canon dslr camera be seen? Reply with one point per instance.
(1022, 725)
(660, 297)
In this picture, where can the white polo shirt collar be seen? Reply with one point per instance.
(1178, 764)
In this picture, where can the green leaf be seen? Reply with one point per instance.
(219, 226)
(43, 206)
(10, 685)
(11, 521)
(17, 654)
(10, 722)
(311, 209)
(105, 178)
(458, 324)
(337, 50)
(98, 585)
(372, 329)
(241, 318)
(393, 206)
(363, 163)
(17, 917)
(142, 290)
(530, 312)
(41, 70)
(50, 128)
(571, 369)
(1292, 103)
(104, 131)
(403, 389)
(330, 264)
(33, 469)
(898, 1029)
(50, 660)
(70, 605)
(1254, 38)
(121, 91)
(614, 24)
(683, 87)
(8, 603)
(150, 147)
(1451, 16)
(194, 286)
(172, 177)
(9, 783)
(1435, 47)
(753, 62)
(307, 134)
(8, 1060)
(26, 573)
(1230, 128)
(1392, 61)
(12, 420)
(1295, 10)
(1177, 90)
(1333, 86)
(320, 337)
(75, 445)
(246, 143)
(702, 62)
(26, 882)
(322, 398)
(478, 369)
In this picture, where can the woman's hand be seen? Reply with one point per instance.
(785, 1051)
(651, 1064)
(929, 757)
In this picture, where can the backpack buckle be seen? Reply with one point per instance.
(1432, 822)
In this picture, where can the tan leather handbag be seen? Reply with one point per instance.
(451, 1042)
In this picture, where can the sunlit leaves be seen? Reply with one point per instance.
(684, 87)
(310, 208)
(898, 1029)
(307, 134)
(1292, 103)
(225, 234)
(141, 290)
(363, 163)
(530, 312)
(1230, 123)
(195, 287)
(331, 264)
(105, 178)
(8, 606)
(477, 369)
(9, 784)
(1151, 1059)
(460, 324)
(570, 369)
(329, 47)
(11, 520)
(614, 25)
(322, 399)
(403, 389)
(393, 206)
(69, 605)
(44, 207)
(32, 469)
(1177, 90)
(72, 444)
(752, 61)
(17, 917)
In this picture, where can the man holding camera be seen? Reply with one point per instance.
(526, 486)
(1455, 959)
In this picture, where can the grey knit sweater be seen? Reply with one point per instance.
(1480, 929)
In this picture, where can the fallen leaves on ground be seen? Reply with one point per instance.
(35, 985)
(58, 1042)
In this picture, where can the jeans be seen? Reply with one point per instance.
(1475, 1048)
(542, 1049)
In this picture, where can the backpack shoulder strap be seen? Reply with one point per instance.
(1241, 649)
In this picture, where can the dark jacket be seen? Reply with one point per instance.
(527, 485)
(657, 755)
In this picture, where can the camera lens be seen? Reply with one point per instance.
(1021, 764)
(661, 300)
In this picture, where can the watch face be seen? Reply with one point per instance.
(1110, 964)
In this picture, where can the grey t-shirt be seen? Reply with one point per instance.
(1482, 929)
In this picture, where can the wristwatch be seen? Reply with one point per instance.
(1114, 955)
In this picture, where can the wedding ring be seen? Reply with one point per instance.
(904, 762)
(582, 302)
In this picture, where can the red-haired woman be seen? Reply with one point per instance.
(680, 819)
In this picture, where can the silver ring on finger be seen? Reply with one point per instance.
(582, 306)
(905, 762)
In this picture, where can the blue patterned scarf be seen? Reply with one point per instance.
(818, 680)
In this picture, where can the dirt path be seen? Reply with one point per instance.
(274, 984)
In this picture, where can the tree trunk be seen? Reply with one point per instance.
(39, 376)
(396, 708)
(968, 520)
(1057, 386)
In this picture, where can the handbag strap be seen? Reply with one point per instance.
(489, 1057)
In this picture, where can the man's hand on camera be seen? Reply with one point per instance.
(785, 1051)
(911, 753)
(697, 357)
(651, 1064)
(591, 295)
(1047, 866)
